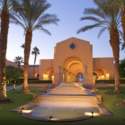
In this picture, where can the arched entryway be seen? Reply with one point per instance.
(35, 75)
(71, 68)
(49, 74)
(102, 73)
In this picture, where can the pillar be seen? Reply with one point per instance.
(61, 74)
(67, 75)
(64, 75)
(84, 81)
(70, 76)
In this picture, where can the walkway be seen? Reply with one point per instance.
(8, 88)
(68, 89)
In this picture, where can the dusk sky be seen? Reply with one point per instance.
(69, 12)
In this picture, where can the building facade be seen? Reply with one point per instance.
(72, 57)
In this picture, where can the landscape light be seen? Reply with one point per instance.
(21, 110)
(92, 113)
(50, 118)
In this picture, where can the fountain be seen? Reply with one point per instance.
(67, 101)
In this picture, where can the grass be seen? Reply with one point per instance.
(8, 118)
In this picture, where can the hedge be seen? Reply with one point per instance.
(36, 81)
(39, 81)
(108, 81)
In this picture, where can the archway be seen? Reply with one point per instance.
(49, 74)
(102, 73)
(35, 75)
(72, 66)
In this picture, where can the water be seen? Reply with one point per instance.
(61, 112)
(67, 101)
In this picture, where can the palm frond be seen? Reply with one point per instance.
(88, 27)
(101, 31)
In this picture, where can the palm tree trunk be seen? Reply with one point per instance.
(4, 35)
(114, 42)
(0, 64)
(28, 40)
(19, 65)
(34, 63)
(123, 23)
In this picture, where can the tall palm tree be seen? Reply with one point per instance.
(6, 12)
(23, 46)
(107, 17)
(121, 5)
(18, 60)
(35, 52)
(31, 18)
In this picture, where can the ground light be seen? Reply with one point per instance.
(21, 110)
(92, 114)
(50, 118)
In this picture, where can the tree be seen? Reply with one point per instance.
(6, 8)
(120, 4)
(23, 46)
(31, 18)
(18, 60)
(35, 52)
(108, 17)
(122, 68)
(13, 74)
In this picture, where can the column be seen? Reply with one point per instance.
(67, 75)
(64, 75)
(84, 81)
(70, 76)
(61, 74)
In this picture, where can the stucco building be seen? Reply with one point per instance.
(71, 58)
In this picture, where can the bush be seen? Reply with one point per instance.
(13, 74)
(108, 81)
(40, 81)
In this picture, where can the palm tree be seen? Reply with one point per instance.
(18, 60)
(107, 17)
(6, 12)
(35, 52)
(23, 46)
(31, 18)
(120, 4)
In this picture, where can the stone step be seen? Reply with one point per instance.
(47, 100)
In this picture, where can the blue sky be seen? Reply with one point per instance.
(69, 12)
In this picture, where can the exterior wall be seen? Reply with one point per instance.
(83, 51)
(105, 63)
(9, 63)
(30, 71)
(81, 56)
(44, 65)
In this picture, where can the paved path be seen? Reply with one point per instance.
(8, 88)
(68, 89)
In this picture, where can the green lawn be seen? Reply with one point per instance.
(10, 118)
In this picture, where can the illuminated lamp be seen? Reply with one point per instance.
(92, 113)
(50, 118)
(21, 110)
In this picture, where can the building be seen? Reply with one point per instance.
(73, 57)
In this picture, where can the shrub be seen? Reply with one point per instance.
(40, 81)
(108, 81)
(13, 74)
